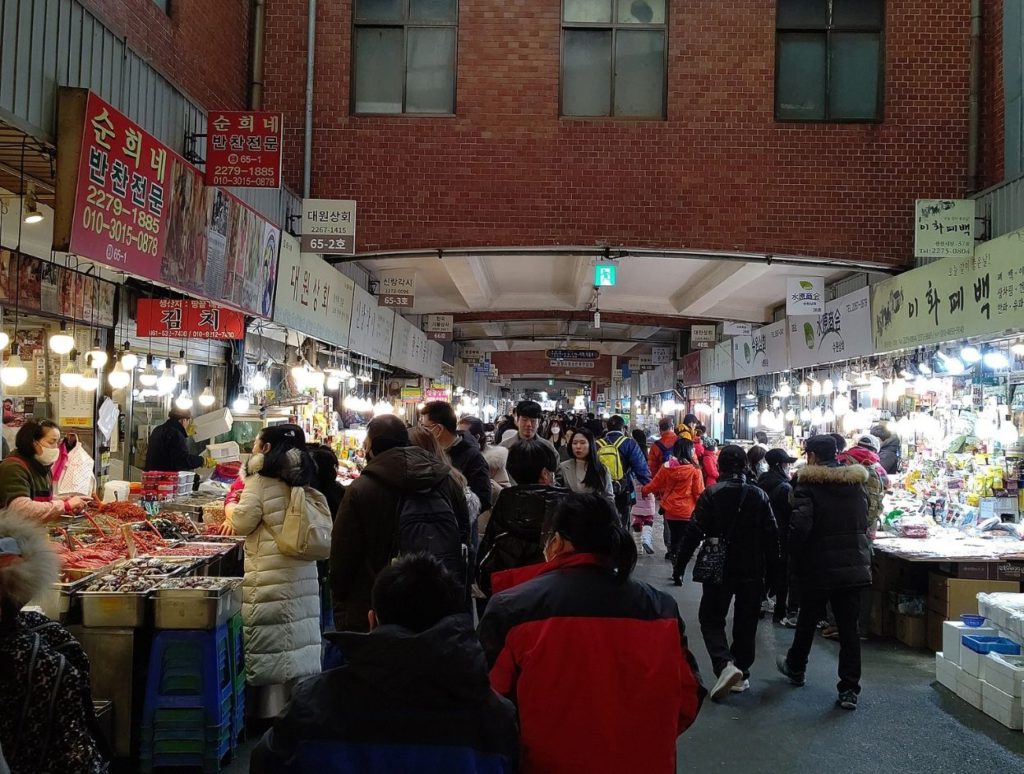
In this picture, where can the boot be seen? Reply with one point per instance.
(647, 539)
(639, 547)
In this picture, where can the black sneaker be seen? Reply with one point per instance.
(796, 678)
(847, 700)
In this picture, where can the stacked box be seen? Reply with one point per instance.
(952, 631)
(1006, 673)
(1001, 706)
(968, 688)
(946, 672)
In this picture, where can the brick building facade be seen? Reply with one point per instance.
(718, 173)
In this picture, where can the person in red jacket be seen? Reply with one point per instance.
(563, 640)
(680, 484)
(662, 448)
(709, 462)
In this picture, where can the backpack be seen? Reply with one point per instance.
(306, 530)
(608, 455)
(666, 452)
(427, 523)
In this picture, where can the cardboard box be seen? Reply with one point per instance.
(911, 631)
(1005, 673)
(934, 631)
(946, 672)
(952, 631)
(951, 597)
(212, 424)
(1004, 708)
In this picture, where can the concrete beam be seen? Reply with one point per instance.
(714, 285)
(472, 279)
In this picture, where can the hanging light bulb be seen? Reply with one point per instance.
(776, 403)
(803, 390)
(118, 378)
(13, 373)
(970, 354)
(897, 389)
(952, 366)
(876, 388)
(791, 416)
(815, 386)
(828, 387)
(206, 397)
(148, 377)
(351, 381)
(184, 399)
(315, 380)
(1007, 434)
(4, 339)
(843, 385)
(785, 390)
(841, 405)
(240, 404)
(382, 407)
(299, 376)
(71, 377)
(996, 360)
(333, 381)
(90, 381)
(128, 358)
(259, 381)
(1017, 349)
(96, 356)
(805, 415)
(61, 343)
(166, 382)
(830, 416)
(180, 365)
(349, 402)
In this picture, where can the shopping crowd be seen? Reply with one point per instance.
(470, 570)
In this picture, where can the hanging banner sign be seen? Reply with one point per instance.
(662, 355)
(716, 364)
(748, 354)
(329, 226)
(397, 288)
(372, 327)
(952, 298)
(690, 375)
(736, 329)
(944, 228)
(127, 201)
(439, 327)
(243, 148)
(805, 295)
(776, 349)
(573, 363)
(187, 319)
(435, 392)
(703, 334)
(573, 354)
(41, 286)
(841, 333)
(312, 296)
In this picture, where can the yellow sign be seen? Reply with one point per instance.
(953, 298)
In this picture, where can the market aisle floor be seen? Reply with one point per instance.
(906, 722)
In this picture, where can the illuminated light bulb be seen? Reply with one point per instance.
(315, 380)
(351, 381)
(843, 385)
(876, 388)
(785, 390)
(805, 416)
(349, 402)
(828, 387)
(815, 388)
(383, 407)
(791, 416)
(90, 381)
(1007, 434)
(803, 389)
(4, 339)
(841, 405)
(755, 418)
(970, 354)
(166, 382)
(13, 373)
(924, 369)
(128, 358)
(776, 403)
(148, 377)
(181, 366)
(206, 397)
(96, 357)
(333, 382)
(62, 343)
(1017, 349)
(71, 377)
(259, 381)
(241, 404)
(118, 378)
(830, 416)
(897, 389)
(953, 366)
(184, 400)
(996, 360)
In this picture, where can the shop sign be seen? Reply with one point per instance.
(662, 355)
(243, 148)
(436, 393)
(470, 354)
(573, 354)
(776, 350)
(716, 364)
(749, 354)
(805, 295)
(187, 319)
(944, 228)
(412, 351)
(842, 332)
(329, 226)
(439, 327)
(412, 395)
(642, 363)
(661, 379)
(691, 369)
(736, 329)
(372, 327)
(573, 363)
(127, 201)
(953, 298)
(702, 335)
(312, 296)
(397, 288)
(41, 286)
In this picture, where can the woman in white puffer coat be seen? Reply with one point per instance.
(280, 594)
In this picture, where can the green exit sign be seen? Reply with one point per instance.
(604, 275)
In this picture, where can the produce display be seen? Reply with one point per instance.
(199, 582)
(174, 526)
(132, 576)
(189, 549)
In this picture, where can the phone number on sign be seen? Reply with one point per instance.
(96, 220)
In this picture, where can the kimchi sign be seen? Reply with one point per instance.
(187, 319)
(127, 201)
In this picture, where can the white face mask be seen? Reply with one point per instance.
(48, 455)
(556, 430)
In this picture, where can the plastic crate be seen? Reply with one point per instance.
(984, 645)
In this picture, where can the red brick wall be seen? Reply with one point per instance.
(720, 173)
(993, 108)
(202, 46)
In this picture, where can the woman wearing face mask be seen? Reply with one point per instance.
(26, 477)
(556, 434)
(583, 473)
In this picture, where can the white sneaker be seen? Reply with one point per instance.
(730, 676)
(741, 687)
(768, 605)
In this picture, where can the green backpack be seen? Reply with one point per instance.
(608, 455)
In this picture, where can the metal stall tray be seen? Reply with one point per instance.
(126, 609)
(207, 605)
(60, 601)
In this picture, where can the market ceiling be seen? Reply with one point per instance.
(511, 299)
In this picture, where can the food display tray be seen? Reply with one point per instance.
(175, 608)
(126, 609)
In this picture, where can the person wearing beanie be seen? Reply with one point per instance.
(47, 722)
(363, 540)
(831, 559)
(168, 445)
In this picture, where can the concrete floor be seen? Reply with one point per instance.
(906, 722)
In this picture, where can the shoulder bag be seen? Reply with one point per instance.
(709, 566)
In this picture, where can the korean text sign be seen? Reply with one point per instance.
(397, 288)
(132, 204)
(312, 296)
(842, 332)
(329, 226)
(243, 149)
(944, 228)
(805, 295)
(187, 319)
(952, 298)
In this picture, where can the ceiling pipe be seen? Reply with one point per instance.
(307, 146)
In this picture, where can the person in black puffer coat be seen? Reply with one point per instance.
(776, 483)
(831, 559)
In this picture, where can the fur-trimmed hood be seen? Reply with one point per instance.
(38, 567)
(842, 474)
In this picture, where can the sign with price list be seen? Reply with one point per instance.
(187, 319)
(329, 226)
(243, 149)
(312, 297)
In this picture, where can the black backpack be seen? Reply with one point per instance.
(427, 523)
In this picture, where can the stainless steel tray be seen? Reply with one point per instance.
(126, 609)
(196, 608)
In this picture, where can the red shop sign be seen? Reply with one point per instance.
(187, 320)
(243, 149)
